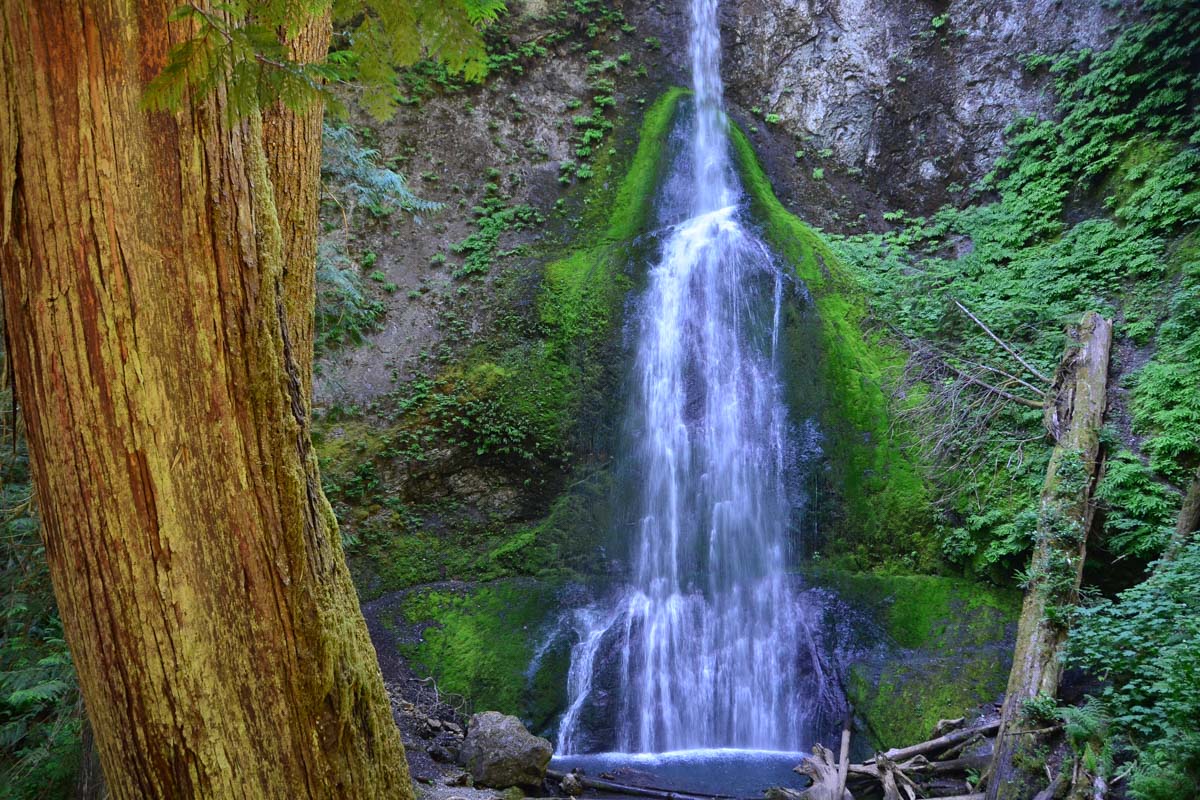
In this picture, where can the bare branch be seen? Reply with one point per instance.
(1000, 341)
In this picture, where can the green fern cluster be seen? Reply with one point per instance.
(354, 175)
(346, 310)
(1145, 644)
(39, 710)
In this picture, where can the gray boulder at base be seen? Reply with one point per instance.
(499, 752)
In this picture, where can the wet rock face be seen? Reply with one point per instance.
(500, 753)
(915, 93)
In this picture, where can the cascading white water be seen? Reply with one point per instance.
(712, 647)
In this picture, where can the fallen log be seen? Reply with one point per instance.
(635, 791)
(941, 742)
(924, 766)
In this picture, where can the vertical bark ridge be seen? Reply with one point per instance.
(297, 193)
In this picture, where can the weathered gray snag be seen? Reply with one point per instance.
(1189, 517)
(1073, 418)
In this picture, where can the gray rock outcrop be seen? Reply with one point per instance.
(920, 91)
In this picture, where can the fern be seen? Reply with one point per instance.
(353, 173)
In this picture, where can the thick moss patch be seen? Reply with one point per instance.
(479, 642)
(882, 507)
(949, 650)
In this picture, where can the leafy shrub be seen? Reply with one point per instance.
(1146, 645)
(1033, 260)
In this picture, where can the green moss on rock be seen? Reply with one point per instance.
(479, 641)
(884, 505)
(950, 650)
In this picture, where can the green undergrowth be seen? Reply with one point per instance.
(478, 643)
(1145, 645)
(513, 415)
(948, 649)
(884, 505)
(40, 712)
(1094, 209)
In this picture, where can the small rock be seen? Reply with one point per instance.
(571, 785)
(440, 753)
(944, 726)
(461, 779)
(499, 752)
(454, 728)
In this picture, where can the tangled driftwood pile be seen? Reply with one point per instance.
(935, 768)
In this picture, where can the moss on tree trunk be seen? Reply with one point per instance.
(215, 631)
(1073, 417)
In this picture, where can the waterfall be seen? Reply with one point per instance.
(710, 645)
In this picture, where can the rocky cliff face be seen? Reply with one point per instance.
(907, 97)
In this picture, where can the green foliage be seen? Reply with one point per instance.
(353, 174)
(1035, 258)
(241, 44)
(39, 713)
(1146, 645)
(1166, 399)
(1139, 510)
(345, 309)
(242, 51)
(492, 219)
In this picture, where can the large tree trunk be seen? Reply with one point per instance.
(1073, 417)
(215, 631)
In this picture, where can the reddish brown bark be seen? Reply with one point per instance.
(215, 631)
(297, 188)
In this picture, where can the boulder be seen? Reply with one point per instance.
(499, 752)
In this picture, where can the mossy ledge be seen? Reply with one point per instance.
(877, 498)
